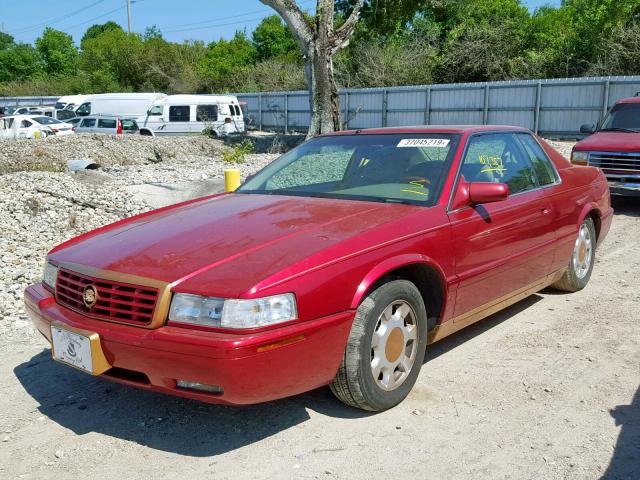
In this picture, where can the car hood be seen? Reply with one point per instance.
(610, 142)
(244, 237)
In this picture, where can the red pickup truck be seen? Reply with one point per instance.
(614, 147)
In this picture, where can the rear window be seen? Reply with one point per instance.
(179, 113)
(206, 113)
(129, 125)
(88, 123)
(107, 123)
(46, 120)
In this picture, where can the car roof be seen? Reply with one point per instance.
(434, 129)
(635, 99)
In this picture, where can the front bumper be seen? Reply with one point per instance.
(623, 184)
(297, 358)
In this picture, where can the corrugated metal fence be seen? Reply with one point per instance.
(553, 108)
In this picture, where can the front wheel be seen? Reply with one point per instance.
(385, 349)
(580, 266)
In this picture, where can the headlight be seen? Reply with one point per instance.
(218, 312)
(581, 158)
(49, 275)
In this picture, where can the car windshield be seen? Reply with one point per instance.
(46, 120)
(396, 168)
(623, 117)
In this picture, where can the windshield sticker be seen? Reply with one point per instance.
(491, 163)
(423, 142)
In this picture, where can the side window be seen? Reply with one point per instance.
(498, 158)
(156, 111)
(179, 113)
(206, 113)
(129, 125)
(25, 124)
(542, 166)
(107, 123)
(88, 123)
(84, 109)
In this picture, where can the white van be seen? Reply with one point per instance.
(191, 114)
(70, 102)
(130, 105)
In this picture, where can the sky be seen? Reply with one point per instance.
(180, 20)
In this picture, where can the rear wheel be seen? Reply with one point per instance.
(580, 266)
(385, 349)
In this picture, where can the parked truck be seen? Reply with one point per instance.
(614, 146)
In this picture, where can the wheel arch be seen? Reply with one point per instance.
(592, 210)
(422, 271)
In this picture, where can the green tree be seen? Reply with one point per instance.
(273, 39)
(58, 53)
(6, 41)
(96, 30)
(19, 62)
(224, 59)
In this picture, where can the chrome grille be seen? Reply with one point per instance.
(116, 302)
(615, 161)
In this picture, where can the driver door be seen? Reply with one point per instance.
(505, 246)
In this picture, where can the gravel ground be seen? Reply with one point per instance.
(547, 389)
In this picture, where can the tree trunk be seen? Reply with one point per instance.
(319, 41)
(323, 96)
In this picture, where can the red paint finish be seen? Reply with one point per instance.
(328, 252)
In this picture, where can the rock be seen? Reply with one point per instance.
(59, 453)
(417, 412)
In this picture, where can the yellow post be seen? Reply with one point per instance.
(231, 179)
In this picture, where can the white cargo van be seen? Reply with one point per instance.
(70, 102)
(130, 105)
(191, 114)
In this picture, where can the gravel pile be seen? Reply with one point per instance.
(53, 153)
(38, 210)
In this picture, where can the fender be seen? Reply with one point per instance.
(587, 208)
(384, 267)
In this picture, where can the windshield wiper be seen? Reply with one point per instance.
(618, 129)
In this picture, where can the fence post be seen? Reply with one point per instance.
(346, 110)
(485, 108)
(536, 112)
(427, 106)
(605, 97)
(260, 111)
(385, 99)
(286, 113)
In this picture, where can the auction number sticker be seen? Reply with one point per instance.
(423, 142)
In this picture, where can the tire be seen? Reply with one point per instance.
(377, 374)
(582, 259)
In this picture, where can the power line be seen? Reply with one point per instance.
(172, 28)
(57, 19)
(94, 18)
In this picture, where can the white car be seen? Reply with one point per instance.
(26, 126)
(58, 127)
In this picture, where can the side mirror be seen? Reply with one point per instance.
(474, 193)
(486, 192)
(587, 128)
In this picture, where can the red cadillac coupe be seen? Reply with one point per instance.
(337, 264)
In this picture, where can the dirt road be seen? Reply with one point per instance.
(547, 389)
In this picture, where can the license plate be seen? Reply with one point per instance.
(71, 348)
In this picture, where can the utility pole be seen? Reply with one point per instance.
(129, 15)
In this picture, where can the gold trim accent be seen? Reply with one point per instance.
(494, 306)
(163, 302)
(99, 362)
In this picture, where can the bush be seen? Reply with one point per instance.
(237, 153)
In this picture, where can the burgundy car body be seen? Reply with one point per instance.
(472, 259)
(617, 153)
